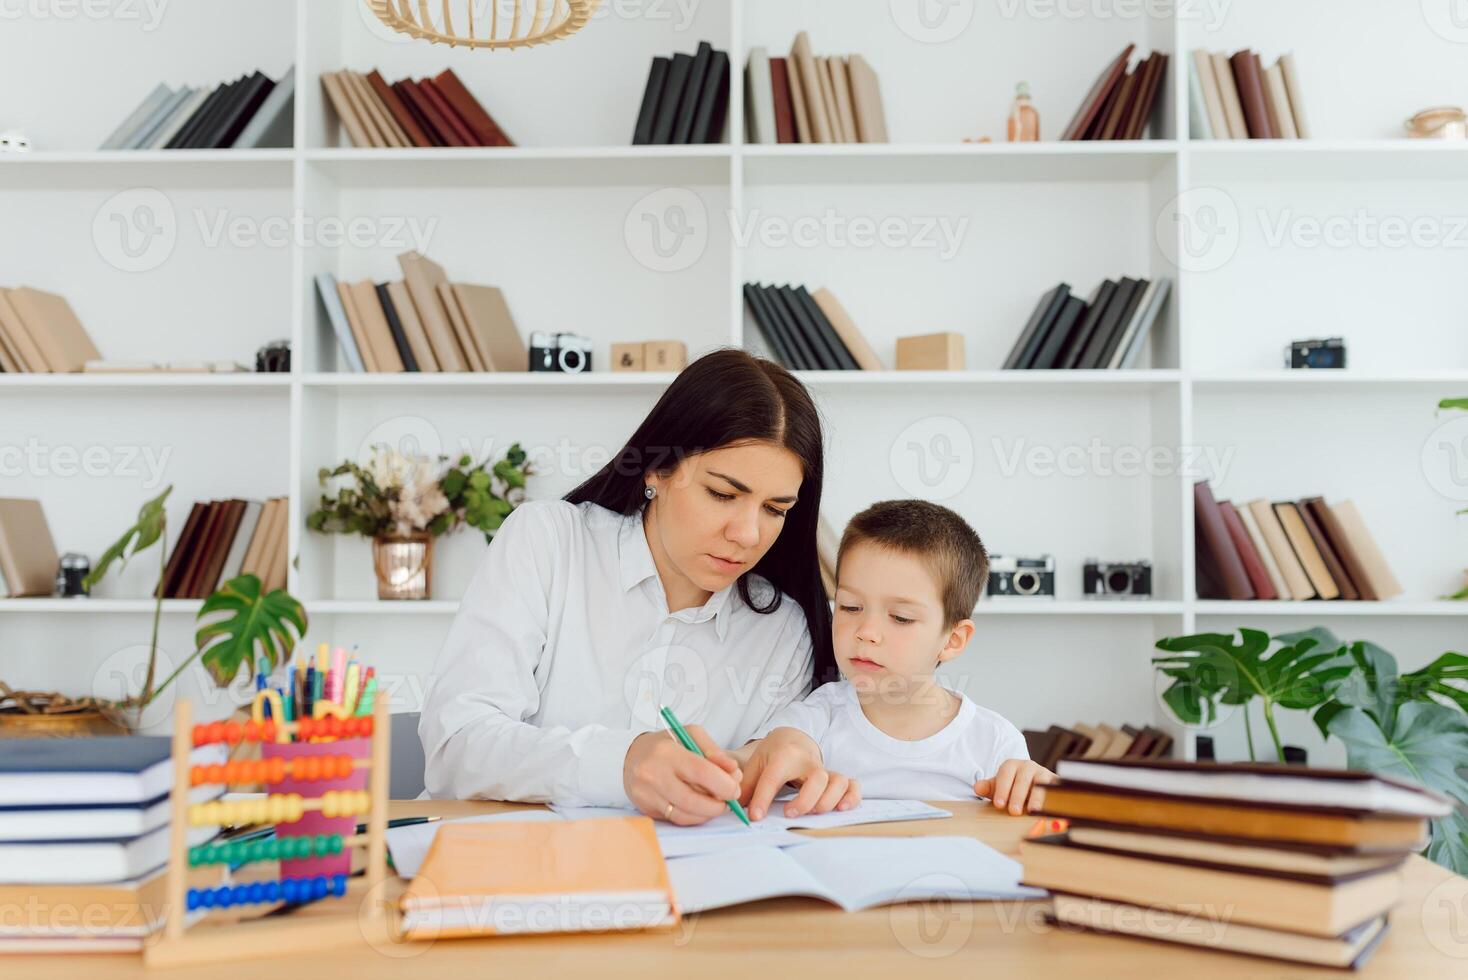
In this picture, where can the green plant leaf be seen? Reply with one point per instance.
(1435, 678)
(256, 626)
(1461, 403)
(152, 518)
(1371, 685)
(1429, 744)
(1216, 667)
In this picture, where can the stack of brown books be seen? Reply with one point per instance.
(1102, 741)
(1241, 99)
(438, 111)
(1286, 862)
(1120, 104)
(1289, 550)
(422, 322)
(223, 539)
(40, 334)
(808, 98)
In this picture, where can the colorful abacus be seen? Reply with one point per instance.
(175, 945)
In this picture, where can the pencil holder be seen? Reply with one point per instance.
(313, 822)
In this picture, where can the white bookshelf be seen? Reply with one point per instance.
(555, 222)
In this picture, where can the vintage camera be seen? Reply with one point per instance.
(1010, 576)
(565, 353)
(71, 575)
(274, 358)
(1314, 354)
(1109, 579)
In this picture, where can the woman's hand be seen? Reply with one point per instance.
(658, 771)
(788, 755)
(1012, 784)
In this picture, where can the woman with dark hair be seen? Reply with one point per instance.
(683, 573)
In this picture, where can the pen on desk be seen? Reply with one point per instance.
(688, 743)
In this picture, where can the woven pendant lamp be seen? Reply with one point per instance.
(520, 24)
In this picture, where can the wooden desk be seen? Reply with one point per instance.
(805, 938)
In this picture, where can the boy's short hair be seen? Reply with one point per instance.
(934, 535)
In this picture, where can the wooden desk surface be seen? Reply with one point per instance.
(805, 937)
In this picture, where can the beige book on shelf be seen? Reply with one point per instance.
(251, 564)
(492, 328)
(828, 583)
(413, 330)
(22, 346)
(846, 329)
(1118, 745)
(1309, 555)
(122, 367)
(810, 87)
(1374, 563)
(360, 96)
(803, 133)
(1297, 582)
(346, 108)
(1291, 71)
(841, 87)
(1279, 97)
(274, 576)
(471, 350)
(1105, 737)
(866, 101)
(828, 542)
(1233, 109)
(1098, 741)
(1266, 553)
(1212, 98)
(53, 326)
(828, 97)
(9, 363)
(422, 276)
(374, 325)
(359, 331)
(28, 559)
(392, 134)
(234, 560)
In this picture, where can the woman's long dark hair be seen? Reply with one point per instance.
(722, 398)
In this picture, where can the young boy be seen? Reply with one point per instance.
(908, 575)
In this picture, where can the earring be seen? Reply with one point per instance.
(649, 492)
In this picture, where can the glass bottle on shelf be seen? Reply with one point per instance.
(1024, 121)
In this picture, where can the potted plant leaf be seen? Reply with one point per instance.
(1460, 404)
(239, 624)
(403, 502)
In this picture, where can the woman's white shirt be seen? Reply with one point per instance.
(563, 650)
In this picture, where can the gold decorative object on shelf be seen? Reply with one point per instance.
(404, 564)
(522, 24)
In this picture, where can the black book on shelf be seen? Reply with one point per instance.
(221, 106)
(1114, 339)
(688, 104)
(774, 336)
(1028, 344)
(844, 360)
(1077, 344)
(1056, 337)
(825, 356)
(713, 102)
(805, 355)
(677, 81)
(651, 96)
(256, 90)
(395, 327)
(180, 139)
(1126, 290)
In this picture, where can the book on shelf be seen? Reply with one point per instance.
(223, 539)
(436, 111)
(685, 100)
(1122, 101)
(1082, 741)
(1285, 862)
(28, 559)
(1237, 97)
(805, 98)
(250, 112)
(808, 332)
(422, 323)
(1287, 550)
(1107, 330)
(40, 334)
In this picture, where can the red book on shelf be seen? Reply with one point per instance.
(1251, 94)
(784, 107)
(445, 116)
(1098, 96)
(1225, 566)
(479, 121)
(176, 561)
(1253, 564)
(397, 109)
(417, 103)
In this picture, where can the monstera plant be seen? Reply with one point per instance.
(1412, 726)
(255, 628)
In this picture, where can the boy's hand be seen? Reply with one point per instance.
(1012, 784)
(788, 755)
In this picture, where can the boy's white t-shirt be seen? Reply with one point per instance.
(943, 766)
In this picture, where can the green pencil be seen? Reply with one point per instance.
(676, 727)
